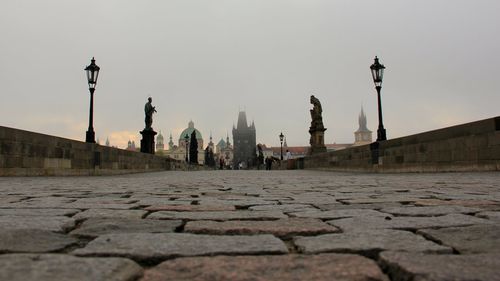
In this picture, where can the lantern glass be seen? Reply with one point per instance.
(377, 70)
(92, 74)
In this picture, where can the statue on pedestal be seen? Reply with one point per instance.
(149, 109)
(317, 129)
(148, 134)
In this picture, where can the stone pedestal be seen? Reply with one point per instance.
(317, 141)
(148, 141)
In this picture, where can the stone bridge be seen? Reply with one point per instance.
(251, 225)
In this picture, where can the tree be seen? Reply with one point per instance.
(209, 157)
(193, 149)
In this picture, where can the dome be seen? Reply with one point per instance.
(159, 137)
(189, 130)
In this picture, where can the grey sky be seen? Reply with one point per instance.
(204, 60)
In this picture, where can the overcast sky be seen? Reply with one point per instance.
(205, 60)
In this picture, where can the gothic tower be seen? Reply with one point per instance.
(244, 142)
(362, 135)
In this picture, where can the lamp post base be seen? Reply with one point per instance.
(90, 136)
(381, 134)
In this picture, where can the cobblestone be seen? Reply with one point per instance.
(323, 267)
(284, 228)
(256, 224)
(425, 267)
(467, 240)
(50, 267)
(369, 243)
(161, 246)
(99, 226)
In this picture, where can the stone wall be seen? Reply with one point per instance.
(469, 147)
(24, 153)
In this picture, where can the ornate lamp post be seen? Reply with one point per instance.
(92, 74)
(378, 73)
(281, 141)
(186, 139)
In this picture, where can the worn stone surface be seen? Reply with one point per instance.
(285, 228)
(106, 213)
(198, 208)
(337, 214)
(426, 267)
(218, 215)
(495, 216)
(286, 208)
(407, 223)
(463, 202)
(368, 243)
(141, 214)
(38, 212)
(468, 239)
(33, 241)
(160, 246)
(96, 226)
(260, 268)
(430, 210)
(56, 224)
(51, 267)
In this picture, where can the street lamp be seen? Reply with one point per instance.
(92, 73)
(378, 73)
(281, 141)
(186, 139)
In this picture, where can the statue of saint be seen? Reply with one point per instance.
(317, 119)
(149, 109)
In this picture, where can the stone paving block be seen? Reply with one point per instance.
(94, 227)
(469, 239)
(407, 223)
(427, 267)
(262, 268)
(374, 206)
(56, 224)
(494, 216)
(106, 213)
(33, 241)
(51, 267)
(76, 205)
(161, 246)
(284, 228)
(465, 202)
(368, 242)
(385, 199)
(430, 210)
(218, 215)
(184, 208)
(38, 212)
(338, 214)
(283, 208)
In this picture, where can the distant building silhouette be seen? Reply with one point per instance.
(362, 135)
(179, 151)
(131, 146)
(245, 142)
(170, 143)
(160, 146)
(224, 149)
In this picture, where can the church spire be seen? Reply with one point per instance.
(362, 121)
(242, 120)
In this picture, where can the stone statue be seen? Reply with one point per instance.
(317, 119)
(317, 129)
(149, 109)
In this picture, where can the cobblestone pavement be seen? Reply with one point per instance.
(251, 225)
